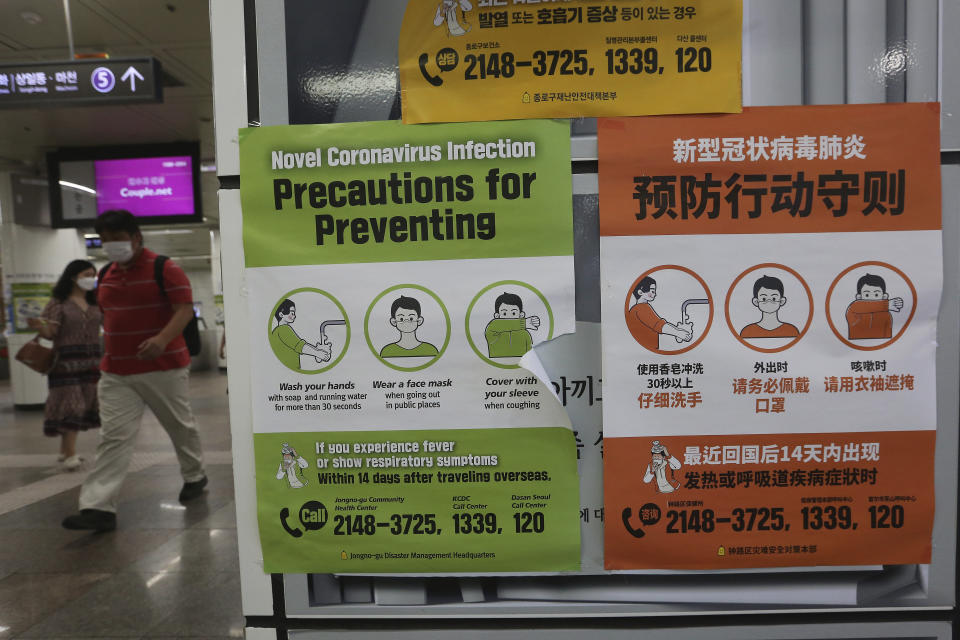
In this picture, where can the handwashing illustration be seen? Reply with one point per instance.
(675, 287)
(297, 341)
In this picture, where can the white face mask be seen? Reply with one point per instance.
(119, 250)
(87, 284)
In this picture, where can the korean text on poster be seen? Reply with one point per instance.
(771, 282)
(464, 60)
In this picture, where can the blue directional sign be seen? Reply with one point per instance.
(79, 82)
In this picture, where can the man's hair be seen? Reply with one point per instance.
(644, 286)
(284, 308)
(404, 302)
(116, 220)
(507, 298)
(767, 282)
(871, 280)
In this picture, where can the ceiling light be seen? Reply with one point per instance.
(78, 187)
(31, 17)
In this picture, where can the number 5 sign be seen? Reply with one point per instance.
(103, 80)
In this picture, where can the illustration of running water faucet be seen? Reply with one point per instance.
(323, 329)
(685, 323)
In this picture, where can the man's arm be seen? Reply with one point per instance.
(498, 326)
(645, 314)
(676, 332)
(155, 346)
(321, 351)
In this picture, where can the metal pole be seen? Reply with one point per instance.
(823, 52)
(866, 44)
(66, 14)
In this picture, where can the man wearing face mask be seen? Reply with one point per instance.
(145, 363)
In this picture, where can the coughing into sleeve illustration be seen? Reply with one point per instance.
(868, 316)
(508, 334)
(288, 345)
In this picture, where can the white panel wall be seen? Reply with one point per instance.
(229, 82)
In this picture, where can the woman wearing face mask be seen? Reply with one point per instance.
(72, 321)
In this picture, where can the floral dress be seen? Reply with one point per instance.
(72, 403)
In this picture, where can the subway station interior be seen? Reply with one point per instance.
(173, 96)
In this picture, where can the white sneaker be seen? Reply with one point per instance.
(72, 463)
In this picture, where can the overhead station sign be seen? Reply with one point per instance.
(80, 82)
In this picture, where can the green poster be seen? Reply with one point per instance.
(397, 276)
(383, 192)
(28, 300)
(491, 500)
(218, 306)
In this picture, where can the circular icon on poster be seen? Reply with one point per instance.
(505, 320)
(308, 330)
(103, 80)
(769, 307)
(650, 514)
(870, 304)
(407, 327)
(447, 59)
(668, 309)
(313, 515)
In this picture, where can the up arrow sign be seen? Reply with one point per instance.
(132, 75)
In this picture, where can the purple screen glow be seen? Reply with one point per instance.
(146, 186)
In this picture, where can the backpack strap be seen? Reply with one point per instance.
(103, 272)
(158, 273)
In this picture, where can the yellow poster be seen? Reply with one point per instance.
(463, 60)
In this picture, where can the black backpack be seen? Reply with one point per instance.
(191, 332)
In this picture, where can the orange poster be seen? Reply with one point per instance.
(770, 287)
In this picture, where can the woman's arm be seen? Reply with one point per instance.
(48, 324)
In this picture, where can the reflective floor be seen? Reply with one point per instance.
(168, 571)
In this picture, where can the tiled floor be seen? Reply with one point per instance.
(168, 571)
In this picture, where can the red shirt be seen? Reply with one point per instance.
(134, 309)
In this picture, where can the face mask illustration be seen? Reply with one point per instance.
(118, 251)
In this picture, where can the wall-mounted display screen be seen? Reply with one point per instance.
(157, 183)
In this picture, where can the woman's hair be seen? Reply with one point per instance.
(64, 286)
(284, 308)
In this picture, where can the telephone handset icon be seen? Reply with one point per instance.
(434, 80)
(625, 516)
(284, 514)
